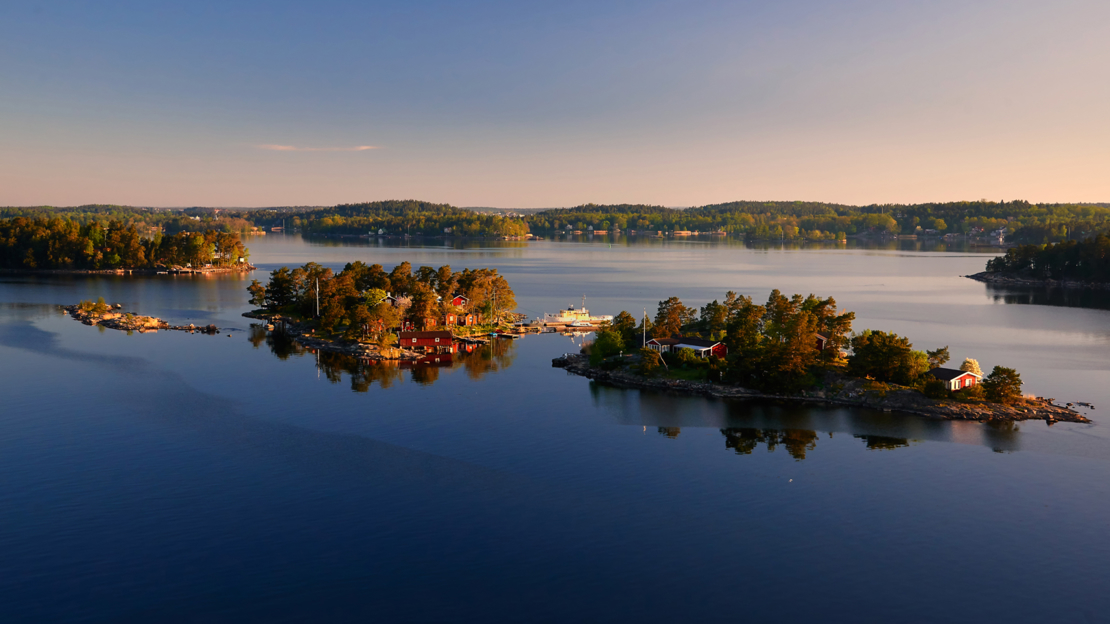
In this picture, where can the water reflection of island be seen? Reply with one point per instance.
(1050, 296)
(747, 426)
(476, 360)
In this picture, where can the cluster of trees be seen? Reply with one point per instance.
(58, 243)
(1082, 260)
(774, 346)
(144, 219)
(355, 301)
(395, 217)
(821, 221)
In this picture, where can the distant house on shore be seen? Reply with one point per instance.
(459, 301)
(956, 379)
(704, 348)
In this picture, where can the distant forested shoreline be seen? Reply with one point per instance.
(1017, 221)
(56, 243)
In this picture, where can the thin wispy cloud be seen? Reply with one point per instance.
(294, 148)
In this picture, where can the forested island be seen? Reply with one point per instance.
(800, 349)
(62, 244)
(1084, 263)
(393, 217)
(1017, 221)
(365, 310)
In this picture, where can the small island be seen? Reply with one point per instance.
(102, 314)
(423, 314)
(799, 349)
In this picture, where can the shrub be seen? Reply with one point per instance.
(650, 361)
(1003, 385)
(935, 388)
(608, 343)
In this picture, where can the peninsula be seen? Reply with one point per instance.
(1070, 264)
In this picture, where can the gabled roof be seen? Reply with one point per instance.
(424, 334)
(948, 374)
(697, 342)
(665, 341)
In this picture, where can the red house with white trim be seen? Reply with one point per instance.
(956, 379)
(433, 341)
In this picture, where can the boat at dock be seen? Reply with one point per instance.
(576, 317)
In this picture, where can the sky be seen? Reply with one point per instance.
(529, 104)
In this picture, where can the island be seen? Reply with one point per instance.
(421, 314)
(802, 350)
(112, 316)
(1070, 264)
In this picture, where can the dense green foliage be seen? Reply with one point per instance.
(144, 219)
(886, 357)
(785, 345)
(771, 346)
(394, 217)
(57, 243)
(1003, 385)
(817, 220)
(354, 300)
(1081, 260)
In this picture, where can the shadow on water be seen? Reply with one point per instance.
(476, 360)
(1048, 296)
(748, 425)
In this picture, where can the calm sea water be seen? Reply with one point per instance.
(186, 478)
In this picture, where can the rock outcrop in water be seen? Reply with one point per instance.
(114, 318)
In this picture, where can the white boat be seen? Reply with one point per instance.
(577, 317)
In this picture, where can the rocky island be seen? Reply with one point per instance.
(832, 389)
(113, 317)
(802, 350)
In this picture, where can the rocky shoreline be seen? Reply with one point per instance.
(1010, 279)
(116, 319)
(242, 268)
(838, 390)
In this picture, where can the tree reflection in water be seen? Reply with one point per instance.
(744, 440)
(477, 360)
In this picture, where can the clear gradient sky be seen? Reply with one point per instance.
(519, 104)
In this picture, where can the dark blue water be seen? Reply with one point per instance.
(184, 478)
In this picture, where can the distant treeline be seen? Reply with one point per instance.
(1078, 260)
(758, 220)
(394, 217)
(169, 221)
(817, 220)
(57, 243)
